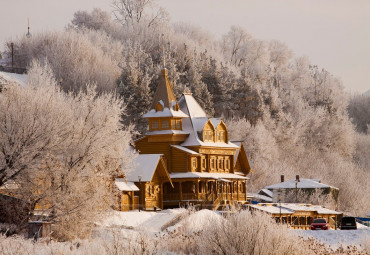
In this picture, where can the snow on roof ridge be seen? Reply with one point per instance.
(304, 183)
(167, 112)
(185, 149)
(208, 175)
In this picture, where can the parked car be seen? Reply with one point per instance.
(318, 224)
(348, 222)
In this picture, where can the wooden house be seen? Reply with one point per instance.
(298, 189)
(203, 165)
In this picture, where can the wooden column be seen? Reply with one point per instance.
(197, 189)
(245, 186)
(237, 189)
(161, 195)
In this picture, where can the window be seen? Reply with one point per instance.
(221, 136)
(227, 164)
(194, 163)
(218, 136)
(165, 124)
(155, 124)
(204, 163)
(213, 165)
(178, 124)
(207, 136)
(220, 163)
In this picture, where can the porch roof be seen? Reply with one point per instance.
(203, 175)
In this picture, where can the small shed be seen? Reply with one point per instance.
(128, 199)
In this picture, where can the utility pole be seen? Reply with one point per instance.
(12, 47)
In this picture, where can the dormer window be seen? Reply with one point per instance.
(177, 107)
(221, 133)
(159, 106)
(207, 136)
(220, 136)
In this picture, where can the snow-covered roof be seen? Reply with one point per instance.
(145, 167)
(206, 175)
(167, 131)
(6, 77)
(270, 208)
(190, 106)
(195, 123)
(290, 208)
(266, 192)
(263, 198)
(125, 186)
(185, 149)
(302, 184)
(165, 113)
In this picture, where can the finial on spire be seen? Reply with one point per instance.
(163, 52)
(28, 30)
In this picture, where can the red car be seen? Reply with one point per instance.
(318, 224)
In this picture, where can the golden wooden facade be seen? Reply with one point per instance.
(217, 167)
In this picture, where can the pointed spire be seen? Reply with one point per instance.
(164, 91)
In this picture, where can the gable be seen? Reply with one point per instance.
(145, 166)
(242, 162)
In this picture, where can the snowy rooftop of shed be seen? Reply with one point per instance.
(125, 186)
(145, 167)
(303, 184)
(292, 207)
(206, 175)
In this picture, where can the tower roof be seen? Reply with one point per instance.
(164, 91)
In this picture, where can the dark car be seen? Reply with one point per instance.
(348, 223)
(319, 224)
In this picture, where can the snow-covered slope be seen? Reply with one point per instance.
(337, 238)
(21, 79)
(151, 221)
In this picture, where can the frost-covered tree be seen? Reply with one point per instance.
(133, 12)
(359, 112)
(62, 149)
(76, 58)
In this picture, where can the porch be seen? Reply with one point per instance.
(208, 192)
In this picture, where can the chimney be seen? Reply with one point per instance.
(282, 178)
(297, 178)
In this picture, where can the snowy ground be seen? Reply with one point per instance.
(154, 221)
(150, 221)
(14, 77)
(336, 238)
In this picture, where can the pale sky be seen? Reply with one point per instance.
(334, 34)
